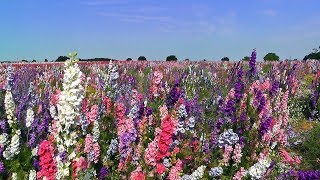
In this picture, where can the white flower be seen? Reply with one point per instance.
(95, 131)
(68, 110)
(258, 170)
(53, 112)
(10, 108)
(3, 139)
(30, 117)
(13, 148)
(34, 151)
(14, 176)
(32, 175)
(198, 173)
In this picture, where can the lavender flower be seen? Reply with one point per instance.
(166, 162)
(228, 138)
(113, 147)
(216, 171)
(63, 156)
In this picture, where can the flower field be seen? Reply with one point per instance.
(160, 120)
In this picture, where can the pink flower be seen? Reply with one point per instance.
(150, 153)
(107, 104)
(237, 154)
(265, 85)
(165, 138)
(157, 77)
(241, 173)
(160, 168)
(175, 170)
(288, 158)
(82, 163)
(226, 155)
(88, 143)
(137, 174)
(96, 150)
(47, 163)
(92, 115)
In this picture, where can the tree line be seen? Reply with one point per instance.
(315, 55)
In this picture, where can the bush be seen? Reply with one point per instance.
(310, 149)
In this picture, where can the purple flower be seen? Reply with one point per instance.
(36, 164)
(3, 126)
(238, 87)
(63, 155)
(103, 173)
(173, 96)
(252, 63)
(32, 140)
(230, 108)
(274, 88)
(2, 168)
(265, 126)
(149, 111)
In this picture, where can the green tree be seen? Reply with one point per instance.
(172, 58)
(142, 58)
(313, 55)
(46, 60)
(271, 57)
(62, 59)
(225, 59)
(246, 58)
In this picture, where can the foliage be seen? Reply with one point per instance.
(171, 58)
(309, 149)
(62, 58)
(246, 58)
(271, 57)
(142, 58)
(225, 59)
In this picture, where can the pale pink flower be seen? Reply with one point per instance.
(237, 154)
(226, 155)
(240, 174)
(175, 170)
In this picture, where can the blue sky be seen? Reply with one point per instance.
(210, 29)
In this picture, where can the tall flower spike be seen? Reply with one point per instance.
(68, 112)
(252, 63)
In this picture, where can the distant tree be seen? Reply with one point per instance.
(171, 58)
(142, 58)
(225, 59)
(46, 60)
(129, 59)
(246, 58)
(271, 57)
(34, 60)
(62, 58)
(313, 55)
(24, 60)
